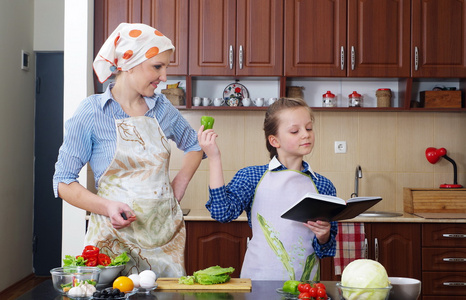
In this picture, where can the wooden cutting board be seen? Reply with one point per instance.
(234, 284)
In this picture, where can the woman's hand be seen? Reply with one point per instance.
(115, 212)
(207, 142)
(321, 229)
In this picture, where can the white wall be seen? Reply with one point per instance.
(16, 140)
(49, 19)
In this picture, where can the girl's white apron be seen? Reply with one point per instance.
(139, 177)
(276, 192)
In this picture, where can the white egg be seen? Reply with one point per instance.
(148, 273)
(146, 282)
(136, 280)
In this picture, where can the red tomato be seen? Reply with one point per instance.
(304, 296)
(319, 285)
(104, 259)
(313, 292)
(321, 293)
(90, 251)
(304, 287)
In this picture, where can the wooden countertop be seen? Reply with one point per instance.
(204, 215)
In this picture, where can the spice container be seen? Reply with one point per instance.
(384, 97)
(354, 100)
(329, 100)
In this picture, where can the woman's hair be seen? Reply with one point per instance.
(271, 120)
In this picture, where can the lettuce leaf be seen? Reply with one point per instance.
(73, 261)
(121, 259)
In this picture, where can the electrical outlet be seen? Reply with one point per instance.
(340, 147)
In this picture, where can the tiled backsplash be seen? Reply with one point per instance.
(389, 147)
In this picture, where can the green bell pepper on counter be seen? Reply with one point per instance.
(208, 122)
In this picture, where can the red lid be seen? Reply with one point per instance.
(328, 95)
(354, 95)
(383, 89)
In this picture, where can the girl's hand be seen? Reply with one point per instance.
(207, 141)
(115, 213)
(321, 229)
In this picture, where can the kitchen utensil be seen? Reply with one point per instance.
(234, 284)
(258, 101)
(235, 92)
(246, 101)
(354, 99)
(206, 101)
(197, 101)
(219, 101)
(329, 100)
(364, 293)
(271, 101)
(404, 288)
(71, 275)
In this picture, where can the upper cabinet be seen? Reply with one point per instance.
(236, 37)
(168, 16)
(339, 38)
(438, 38)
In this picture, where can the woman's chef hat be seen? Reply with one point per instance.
(128, 46)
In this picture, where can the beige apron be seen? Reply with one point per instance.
(291, 241)
(139, 177)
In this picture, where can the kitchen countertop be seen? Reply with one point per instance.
(260, 290)
(204, 215)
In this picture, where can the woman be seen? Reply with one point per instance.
(123, 134)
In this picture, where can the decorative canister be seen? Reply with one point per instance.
(329, 100)
(295, 92)
(354, 100)
(384, 97)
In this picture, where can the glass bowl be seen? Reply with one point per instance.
(64, 278)
(354, 293)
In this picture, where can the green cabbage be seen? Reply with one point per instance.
(211, 275)
(364, 273)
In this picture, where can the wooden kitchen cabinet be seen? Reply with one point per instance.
(444, 261)
(168, 16)
(211, 243)
(438, 38)
(397, 246)
(356, 38)
(236, 37)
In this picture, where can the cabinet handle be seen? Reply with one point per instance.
(230, 56)
(366, 249)
(454, 235)
(241, 57)
(454, 283)
(376, 242)
(247, 242)
(342, 58)
(416, 58)
(353, 58)
(454, 259)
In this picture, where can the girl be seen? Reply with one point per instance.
(279, 248)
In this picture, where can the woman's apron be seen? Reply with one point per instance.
(139, 177)
(276, 192)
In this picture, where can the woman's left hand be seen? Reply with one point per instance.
(321, 229)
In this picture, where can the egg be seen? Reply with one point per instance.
(136, 279)
(148, 273)
(146, 282)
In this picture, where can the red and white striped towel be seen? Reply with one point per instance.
(350, 244)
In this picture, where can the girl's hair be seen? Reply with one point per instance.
(271, 120)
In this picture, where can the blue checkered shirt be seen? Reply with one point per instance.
(227, 203)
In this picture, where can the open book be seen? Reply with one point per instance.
(315, 206)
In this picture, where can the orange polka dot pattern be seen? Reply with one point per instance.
(128, 46)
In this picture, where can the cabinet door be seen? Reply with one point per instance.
(378, 38)
(213, 243)
(259, 45)
(439, 38)
(397, 246)
(212, 40)
(168, 16)
(315, 38)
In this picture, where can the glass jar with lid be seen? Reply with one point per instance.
(355, 99)
(329, 100)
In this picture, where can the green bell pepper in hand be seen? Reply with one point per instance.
(208, 122)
